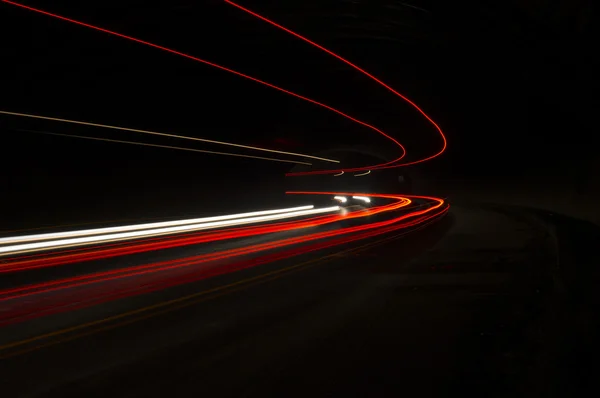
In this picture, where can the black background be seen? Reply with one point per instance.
(511, 84)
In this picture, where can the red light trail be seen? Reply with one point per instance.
(111, 295)
(35, 262)
(89, 286)
(223, 68)
(370, 76)
(98, 294)
(391, 164)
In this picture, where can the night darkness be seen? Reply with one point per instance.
(143, 271)
(511, 85)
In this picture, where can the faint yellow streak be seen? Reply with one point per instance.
(167, 135)
(169, 147)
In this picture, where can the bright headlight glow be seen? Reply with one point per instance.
(365, 199)
(341, 199)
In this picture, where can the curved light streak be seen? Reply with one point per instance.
(98, 297)
(383, 165)
(362, 174)
(167, 135)
(169, 264)
(375, 228)
(337, 175)
(330, 108)
(364, 72)
(169, 147)
(156, 243)
(341, 199)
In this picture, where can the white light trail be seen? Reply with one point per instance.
(362, 174)
(168, 147)
(166, 135)
(339, 174)
(65, 243)
(341, 199)
(136, 227)
(365, 199)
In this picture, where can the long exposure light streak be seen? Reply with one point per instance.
(279, 227)
(62, 243)
(167, 147)
(370, 76)
(371, 228)
(362, 198)
(102, 297)
(362, 174)
(21, 264)
(164, 135)
(136, 227)
(393, 163)
(164, 283)
(330, 108)
(88, 284)
(96, 277)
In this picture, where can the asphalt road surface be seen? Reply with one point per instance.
(473, 305)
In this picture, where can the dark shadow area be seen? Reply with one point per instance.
(499, 298)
